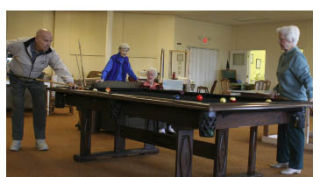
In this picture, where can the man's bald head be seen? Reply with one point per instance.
(43, 40)
(43, 31)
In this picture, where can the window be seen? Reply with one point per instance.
(238, 59)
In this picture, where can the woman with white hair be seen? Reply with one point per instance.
(295, 83)
(152, 85)
(118, 66)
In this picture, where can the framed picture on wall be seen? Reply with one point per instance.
(178, 63)
(258, 63)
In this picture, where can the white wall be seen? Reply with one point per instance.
(146, 34)
(90, 29)
(189, 32)
(21, 24)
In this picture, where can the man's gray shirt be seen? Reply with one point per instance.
(22, 65)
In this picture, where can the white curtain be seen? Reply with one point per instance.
(203, 66)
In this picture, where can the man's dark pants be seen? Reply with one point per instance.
(38, 94)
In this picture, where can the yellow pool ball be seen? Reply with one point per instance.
(223, 100)
(268, 100)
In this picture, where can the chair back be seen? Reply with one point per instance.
(225, 85)
(202, 88)
(262, 85)
(92, 74)
(213, 86)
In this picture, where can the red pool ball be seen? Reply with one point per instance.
(108, 90)
(199, 97)
(233, 99)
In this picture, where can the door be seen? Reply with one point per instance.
(203, 66)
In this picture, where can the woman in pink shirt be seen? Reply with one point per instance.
(150, 83)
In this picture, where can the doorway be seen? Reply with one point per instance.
(249, 65)
(256, 65)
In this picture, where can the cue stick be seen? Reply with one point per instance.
(171, 74)
(53, 82)
(39, 80)
(79, 70)
(162, 64)
(81, 61)
(185, 62)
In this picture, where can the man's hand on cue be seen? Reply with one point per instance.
(72, 85)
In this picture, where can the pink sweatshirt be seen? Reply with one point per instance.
(154, 86)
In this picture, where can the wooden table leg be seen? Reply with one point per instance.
(154, 128)
(252, 151)
(94, 125)
(85, 133)
(252, 156)
(119, 142)
(184, 153)
(220, 163)
(266, 130)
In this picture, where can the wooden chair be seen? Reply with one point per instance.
(225, 85)
(262, 85)
(205, 89)
(92, 74)
(213, 86)
(202, 88)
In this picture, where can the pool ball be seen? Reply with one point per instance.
(223, 100)
(268, 100)
(199, 97)
(95, 90)
(233, 99)
(177, 97)
(108, 90)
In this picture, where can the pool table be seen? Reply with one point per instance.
(212, 118)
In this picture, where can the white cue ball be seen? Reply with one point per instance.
(95, 89)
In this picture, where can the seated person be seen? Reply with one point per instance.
(152, 85)
(118, 66)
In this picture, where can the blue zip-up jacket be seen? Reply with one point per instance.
(117, 69)
(293, 73)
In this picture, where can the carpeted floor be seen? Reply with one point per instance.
(63, 139)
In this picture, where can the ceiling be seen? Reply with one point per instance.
(234, 18)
